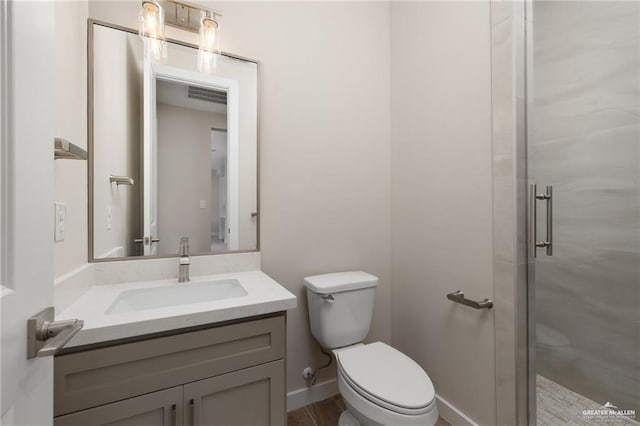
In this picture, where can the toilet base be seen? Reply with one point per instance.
(347, 419)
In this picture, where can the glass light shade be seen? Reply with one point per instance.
(152, 30)
(209, 47)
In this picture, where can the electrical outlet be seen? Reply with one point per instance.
(109, 218)
(60, 222)
(203, 204)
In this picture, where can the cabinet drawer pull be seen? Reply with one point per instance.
(192, 411)
(174, 416)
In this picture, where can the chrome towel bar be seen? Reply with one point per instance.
(63, 149)
(458, 297)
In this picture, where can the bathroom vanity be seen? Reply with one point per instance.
(178, 160)
(216, 361)
(227, 374)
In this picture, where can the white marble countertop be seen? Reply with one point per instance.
(264, 296)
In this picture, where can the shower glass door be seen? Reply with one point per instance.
(583, 142)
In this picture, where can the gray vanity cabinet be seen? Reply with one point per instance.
(240, 398)
(231, 374)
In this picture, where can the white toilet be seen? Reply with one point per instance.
(379, 384)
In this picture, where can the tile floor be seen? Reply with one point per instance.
(557, 405)
(325, 413)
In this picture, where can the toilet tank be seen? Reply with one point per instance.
(340, 307)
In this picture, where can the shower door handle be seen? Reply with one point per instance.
(534, 244)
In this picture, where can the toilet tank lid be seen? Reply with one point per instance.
(340, 281)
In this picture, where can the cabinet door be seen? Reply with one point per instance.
(253, 396)
(162, 408)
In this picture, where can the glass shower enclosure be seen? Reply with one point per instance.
(583, 167)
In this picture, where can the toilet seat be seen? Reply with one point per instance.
(387, 377)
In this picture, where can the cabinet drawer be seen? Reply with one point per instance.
(100, 376)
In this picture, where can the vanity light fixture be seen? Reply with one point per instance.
(209, 46)
(198, 20)
(152, 29)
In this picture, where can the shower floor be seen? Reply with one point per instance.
(557, 405)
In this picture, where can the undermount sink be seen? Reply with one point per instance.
(179, 294)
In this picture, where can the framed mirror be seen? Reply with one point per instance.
(173, 152)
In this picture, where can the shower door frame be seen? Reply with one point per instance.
(513, 268)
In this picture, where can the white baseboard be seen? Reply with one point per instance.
(308, 395)
(451, 414)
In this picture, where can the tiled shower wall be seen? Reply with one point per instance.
(584, 140)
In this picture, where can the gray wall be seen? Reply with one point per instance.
(441, 197)
(326, 169)
(584, 132)
(184, 157)
(324, 163)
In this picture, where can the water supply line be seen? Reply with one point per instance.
(312, 374)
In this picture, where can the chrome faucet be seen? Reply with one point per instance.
(183, 252)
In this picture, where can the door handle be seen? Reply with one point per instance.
(146, 240)
(45, 337)
(534, 244)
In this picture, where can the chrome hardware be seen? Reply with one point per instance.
(328, 298)
(65, 150)
(120, 180)
(146, 240)
(186, 16)
(174, 415)
(183, 252)
(192, 411)
(458, 297)
(534, 244)
(45, 336)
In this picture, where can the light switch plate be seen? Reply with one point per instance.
(203, 204)
(60, 222)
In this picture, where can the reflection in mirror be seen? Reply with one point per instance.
(186, 141)
(197, 114)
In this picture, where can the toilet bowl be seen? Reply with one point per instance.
(554, 351)
(382, 386)
(379, 384)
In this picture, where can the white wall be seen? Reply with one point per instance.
(324, 144)
(71, 124)
(442, 196)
